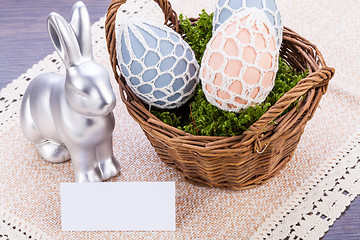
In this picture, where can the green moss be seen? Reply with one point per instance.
(197, 35)
(198, 116)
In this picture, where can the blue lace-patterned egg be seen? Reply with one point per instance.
(158, 65)
(226, 8)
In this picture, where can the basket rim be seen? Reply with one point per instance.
(318, 78)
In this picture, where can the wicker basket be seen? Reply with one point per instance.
(237, 162)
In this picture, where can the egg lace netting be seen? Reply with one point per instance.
(240, 62)
(158, 65)
(227, 8)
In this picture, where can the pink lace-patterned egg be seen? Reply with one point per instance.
(240, 62)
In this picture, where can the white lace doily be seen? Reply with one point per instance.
(316, 204)
(13, 228)
(308, 213)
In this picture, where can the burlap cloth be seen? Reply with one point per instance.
(29, 186)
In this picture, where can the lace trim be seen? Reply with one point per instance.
(11, 227)
(11, 96)
(316, 204)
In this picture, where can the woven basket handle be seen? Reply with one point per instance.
(317, 79)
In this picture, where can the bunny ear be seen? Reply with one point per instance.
(64, 40)
(80, 22)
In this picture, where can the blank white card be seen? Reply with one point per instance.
(118, 206)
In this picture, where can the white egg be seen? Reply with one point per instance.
(158, 65)
(226, 8)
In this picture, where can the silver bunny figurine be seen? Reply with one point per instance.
(71, 116)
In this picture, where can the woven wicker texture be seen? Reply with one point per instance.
(237, 162)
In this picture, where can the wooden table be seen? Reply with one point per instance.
(24, 41)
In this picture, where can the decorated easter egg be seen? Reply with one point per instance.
(240, 62)
(226, 8)
(158, 65)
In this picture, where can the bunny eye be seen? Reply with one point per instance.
(79, 93)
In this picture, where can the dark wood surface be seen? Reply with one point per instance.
(24, 41)
(23, 32)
